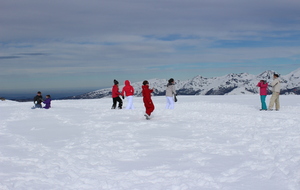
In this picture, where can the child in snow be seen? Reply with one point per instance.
(170, 94)
(147, 99)
(263, 85)
(47, 102)
(115, 95)
(37, 100)
(128, 91)
(275, 93)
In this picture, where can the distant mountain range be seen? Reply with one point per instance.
(231, 84)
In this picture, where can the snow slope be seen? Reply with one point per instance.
(206, 143)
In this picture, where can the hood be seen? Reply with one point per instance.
(127, 83)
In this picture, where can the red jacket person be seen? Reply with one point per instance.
(128, 92)
(115, 94)
(147, 99)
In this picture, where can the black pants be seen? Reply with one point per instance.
(115, 100)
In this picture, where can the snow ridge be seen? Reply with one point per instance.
(231, 84)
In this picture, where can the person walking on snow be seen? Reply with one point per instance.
(128, 92)
(116, 95)
(170, 94)
(275, 93)
(146, 92)
(47, 102)
(263, 85)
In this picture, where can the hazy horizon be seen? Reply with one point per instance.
(55, 93)
(58, 93)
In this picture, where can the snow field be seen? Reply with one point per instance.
(206, 142)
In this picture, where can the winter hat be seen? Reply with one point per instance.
(116, 82)
(171, 80)
(145, 82)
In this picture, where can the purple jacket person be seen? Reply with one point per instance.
(47, 102)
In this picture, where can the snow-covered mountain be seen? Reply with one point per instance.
(231, 84)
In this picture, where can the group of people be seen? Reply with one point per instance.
(263, 85)
(38, 100)
(128, 92)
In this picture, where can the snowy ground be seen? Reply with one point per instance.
(205, 143)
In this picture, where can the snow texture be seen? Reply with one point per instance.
(206, 142)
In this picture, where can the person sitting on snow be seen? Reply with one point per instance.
(37, 100)
(47, 102)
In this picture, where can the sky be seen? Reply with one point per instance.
(75, 45)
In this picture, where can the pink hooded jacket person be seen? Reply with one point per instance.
(128, 91)
(263, 85)
(262, 88)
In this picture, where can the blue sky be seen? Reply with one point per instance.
(83, 45)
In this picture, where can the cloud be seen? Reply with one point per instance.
(9, 57)
(77, 19)
(33, 54)
(74, 37)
